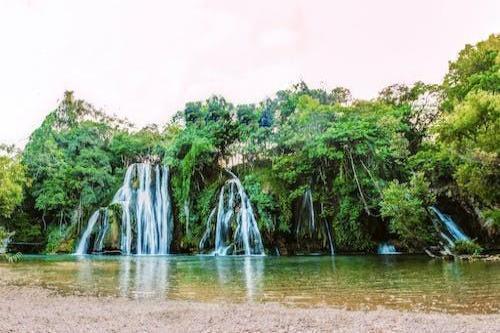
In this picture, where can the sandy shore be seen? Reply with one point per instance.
(26, 309)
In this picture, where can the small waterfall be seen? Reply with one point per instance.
(204, 242)
(234, 209)
(146, 214)
(306, 224)
(453, 232)
(124, 196)
(307, 213)
(103, 230)
(83, 245)
(386, 248)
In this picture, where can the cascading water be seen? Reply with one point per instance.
(306, 224)
(206, 236)
(306, 213)
(386, 248)
(83, 245)
(453, 232)
(234, 209)
(146, 214)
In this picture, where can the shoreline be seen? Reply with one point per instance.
(35, 309)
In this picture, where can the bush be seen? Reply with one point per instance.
(4, 240)
(60, 240)
(405, 207)
(466, 247)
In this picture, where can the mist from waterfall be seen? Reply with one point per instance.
(146, 214)
(234, 209)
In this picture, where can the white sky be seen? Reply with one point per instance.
(144, 59)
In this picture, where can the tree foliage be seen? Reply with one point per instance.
(469, 129)
(371, 168)
(12, 181)
(406, 207)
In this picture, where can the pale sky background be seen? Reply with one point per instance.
(144, 59)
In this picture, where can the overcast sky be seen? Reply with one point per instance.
(144, 59)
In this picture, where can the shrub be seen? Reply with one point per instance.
(405, 207)
(60, 240)
(4, 241)
(467, 247)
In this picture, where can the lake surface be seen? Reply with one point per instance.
(352, 282)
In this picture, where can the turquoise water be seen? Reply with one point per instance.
(353, 282)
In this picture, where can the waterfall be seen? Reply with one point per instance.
(234, 209)
(386, 248)
(103, 230)
(310, 228)
(453, 231)
(124, 196)
(206, 236)
(307, 212)
(83, 245)
(146, 215)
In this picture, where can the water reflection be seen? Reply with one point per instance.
(124, 276)
(253, 271)
(160, 276)
(151, 276)
(85, 271)
(353, 282)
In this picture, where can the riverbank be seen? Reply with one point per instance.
(33, 309)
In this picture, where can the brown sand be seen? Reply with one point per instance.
(26, 309)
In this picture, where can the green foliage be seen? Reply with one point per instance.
(476, 69)
(4, 242)
(190, 157)
(263, 202)
(11, 257)
(471, 133)
(59, 240)
(467, 247)
(400, 94)
(127, 147)
(67, 160)
(27, 228)
(77, 159)
(12, 181)
(362, 161)
(344, 154)
(405, 207)
(492, 217)
(468, 130)
(348, 227)
(195, 153)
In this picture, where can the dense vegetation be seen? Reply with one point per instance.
(373, 167)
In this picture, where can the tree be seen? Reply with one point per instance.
(405, 205)
(477, 68)
(468, 129)
(12, 181)
(77, 159)
(355, 163)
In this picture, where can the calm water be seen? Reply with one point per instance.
(353, 282)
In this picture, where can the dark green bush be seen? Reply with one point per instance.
(467, 247)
